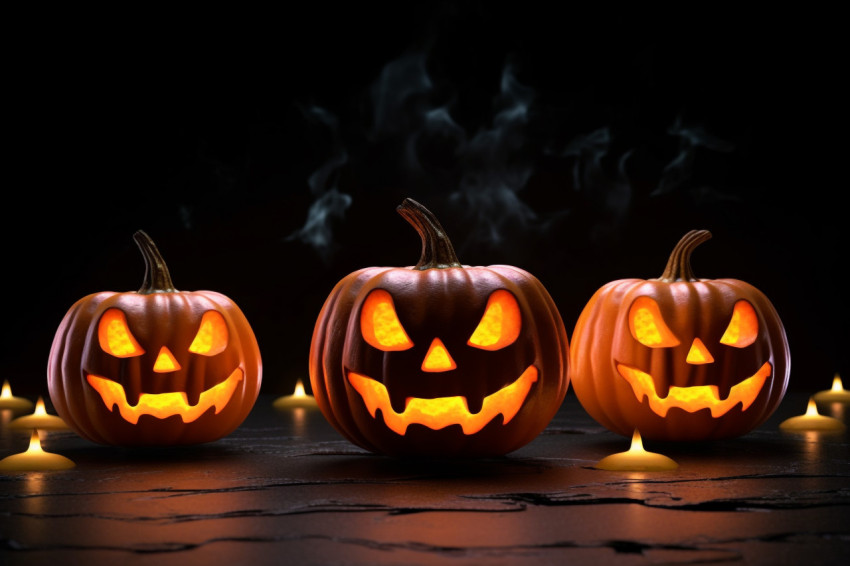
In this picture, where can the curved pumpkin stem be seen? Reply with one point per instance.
(157, 278)
(679, 265)
(437, 249)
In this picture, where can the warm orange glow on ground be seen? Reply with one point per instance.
(380, 325)
(444, 411)
(164, 405)
(697, 397)
(500, 324)
(438, 358)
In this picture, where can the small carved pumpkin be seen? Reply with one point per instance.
(439, 358)
(154, 367)
(680, 358)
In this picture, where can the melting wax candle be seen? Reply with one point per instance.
(637, 459)
(812, 420)
(35, 459)
(836, 394)
(39, 419)
(299, 398)
(9, 401)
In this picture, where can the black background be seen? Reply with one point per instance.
(578, 144)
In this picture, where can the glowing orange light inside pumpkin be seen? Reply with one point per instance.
(165, 361)
(164, 405)
(648, 326)
(115, 337)
(444, 411)
(212, 336)
(743, 328)
(438, 358)
(380, 325)
(699, 354)
(696, 397)
(500, 324)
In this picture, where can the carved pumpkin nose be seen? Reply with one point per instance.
(699, 354)
(165, 361)
(438, 358)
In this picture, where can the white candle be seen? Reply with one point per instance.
(9, 401)
(836, 394)
(299, 398)
(637, 459)
(39, 419)
(812, 420)
(35, 459)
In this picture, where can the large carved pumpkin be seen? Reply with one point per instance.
(680, 358)
(154, 367)
(439, 358)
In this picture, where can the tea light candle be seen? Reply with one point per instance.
(637, 459)
(836, 394)
(39, 419)
(35, 459)
(812, 420)
(9, 401)
(299, 398)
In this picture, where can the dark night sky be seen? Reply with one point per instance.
(577, 144)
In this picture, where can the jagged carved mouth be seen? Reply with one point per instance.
(696, 397)
(441, 412)
(164, 405)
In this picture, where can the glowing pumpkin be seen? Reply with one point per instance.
(154, 367)
(680, 358)
(439, 358)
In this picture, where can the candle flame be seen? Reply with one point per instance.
(836, 383)
(299, 389)
(39, 407)
(812, 408)
(637, 443)
(35, 444)
(7, 390)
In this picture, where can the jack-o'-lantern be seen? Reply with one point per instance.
(439, 359)
(156, 366)
(680, 358)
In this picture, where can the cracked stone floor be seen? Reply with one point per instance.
(286, 488)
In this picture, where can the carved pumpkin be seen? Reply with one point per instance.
(439, 358)
(680, 358)
(154, 367)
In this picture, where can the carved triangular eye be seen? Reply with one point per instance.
(500, 324)
(743, 328)
(380, 325)
(212, 335)
(115, 337)
(648, 326)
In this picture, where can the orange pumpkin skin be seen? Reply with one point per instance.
(157, 316)
(439, 299)
(605, 353)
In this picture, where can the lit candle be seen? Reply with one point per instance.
(9, 401)
(836, 394)
(35, 459)
(39, 419)
(299, 398)
(812, 420)
(637, 459)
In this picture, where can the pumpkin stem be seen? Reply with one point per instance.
(437, 250)
(157, 278)
(679, 265)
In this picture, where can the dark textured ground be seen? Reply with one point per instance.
(285, 488)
